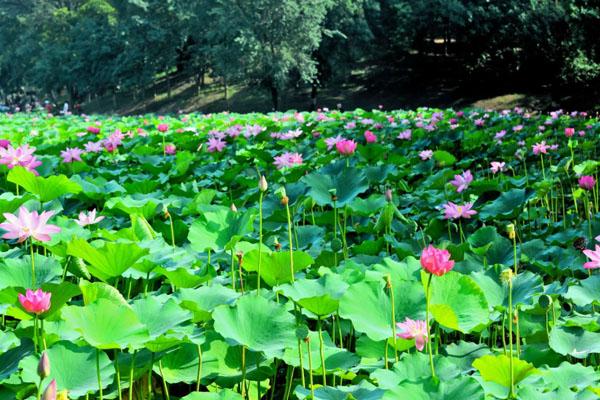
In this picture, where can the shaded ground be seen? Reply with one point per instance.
(408, 83)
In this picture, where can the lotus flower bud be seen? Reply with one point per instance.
(262, 184)
(510, 229)
(388, 195)
(43, 368)
(233, 207)
(50, 392)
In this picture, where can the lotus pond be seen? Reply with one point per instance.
(426, 254)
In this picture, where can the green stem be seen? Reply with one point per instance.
(322, 351)
(32, 265)
(118, 375)
(260, 238)
(199, 374)
(310, 374)
(162, 377)
(427, 325)
(244, 372)
(389, 283)
(290, 238)
(510, 339)
(98, 374)
(131, 369)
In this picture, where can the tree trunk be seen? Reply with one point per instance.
(275, 97)
(226, 94)
(313, 97)
(168, 86)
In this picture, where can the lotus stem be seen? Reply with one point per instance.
(290, 238)
(260, 238)
(199, 374)
(98, 374)
(32, 265)
(322, 351)
(427, 325)
(118, 375)
(310, 373)
(391, 289)
(244, 372)
(510, 339)
(164, 382)
(131, 369)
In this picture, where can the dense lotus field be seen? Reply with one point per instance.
(427, 254)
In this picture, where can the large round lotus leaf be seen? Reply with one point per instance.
(107, 261)
(457, 302)
(93, 291)
(46, 188)
(219, 228)
(574, 341)
(415, 368)
(460, 388)
(275, 266)
(203, 300)
(497, 369)
(160, 316)
(73, 367)
(106, 325)
(481, 240)
(16, 272)
(9, 360)
(220, 362)
(346, 182)
(336, 359)
(586, 292)
(223, 394)
(363, 391)
(319, 296)
(507, 205)
(61, 294)
(526, 286)
(257, 323)
(369, 306)
(571, 376)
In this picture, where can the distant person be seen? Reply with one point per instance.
(65, 110)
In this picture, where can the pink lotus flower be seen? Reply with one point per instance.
(215, 144)
(93, 147)
(93, 129)
(540, 148)
(346, 147)
(4, 143)
(88, 218)
(411, 329)
(569, 132)
(332, 141)
(500, 135)
(453, 211)
(170, 149)
(28, 224)
(497, 166)
(162, 127)
(587, 182)
(405, 135)
(370, 137)
(594, 256)
(461, 182)
(23, 156)
(37, 302)
(70, 155)
(288, 160)
(436, 261)
(426, 154)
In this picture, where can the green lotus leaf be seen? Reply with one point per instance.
(71, 366)
(368, 305)
(275, 266)
(219, 228)
(45, 188)
(257, 323)
(496, 368)
(457, 302)
(107, 261)
(107, 325)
